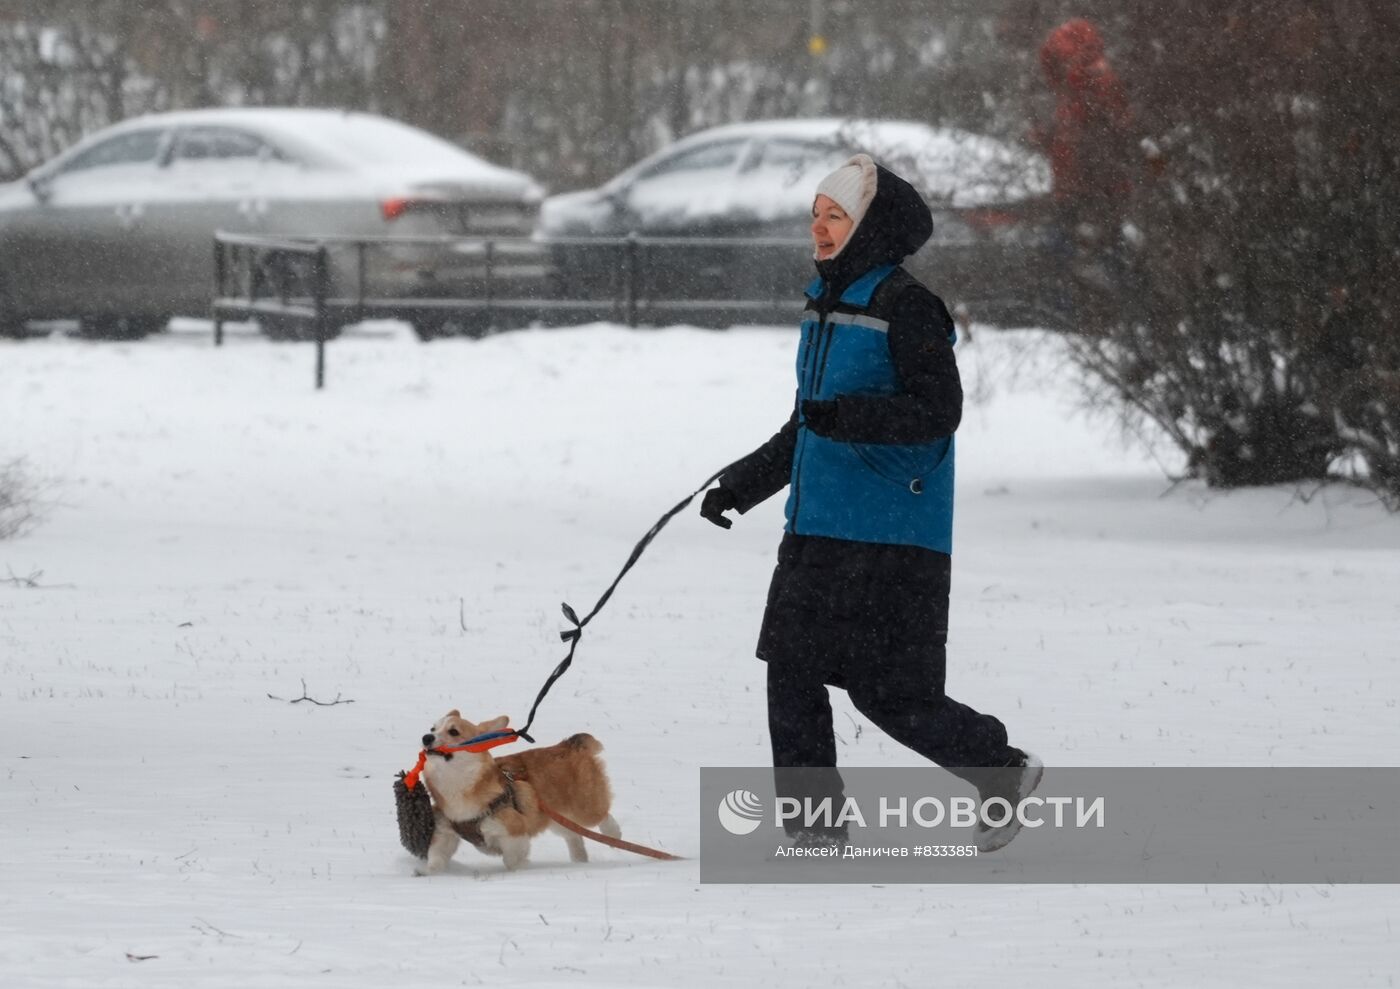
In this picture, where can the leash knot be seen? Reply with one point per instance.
(575, 633)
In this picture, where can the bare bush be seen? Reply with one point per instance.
(19, 500)
(1252, 311)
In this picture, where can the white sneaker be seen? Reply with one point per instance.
(1014, 782)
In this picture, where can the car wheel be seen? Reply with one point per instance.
(12, 326)
(427, 327)
(473, 325)
(110, 327)
(594, 275)
(285, 329)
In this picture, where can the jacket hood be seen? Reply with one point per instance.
(1070, 51)
(897, 223)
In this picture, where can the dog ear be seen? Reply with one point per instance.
(454, 713)
(495, 724)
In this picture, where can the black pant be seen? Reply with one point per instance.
(901, 693)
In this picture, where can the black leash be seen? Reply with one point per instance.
(572, 635)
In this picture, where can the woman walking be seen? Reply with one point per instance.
(859, 599)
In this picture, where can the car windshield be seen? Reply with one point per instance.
(709, 157)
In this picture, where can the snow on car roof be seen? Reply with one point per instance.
(950, 165)
(350, 139)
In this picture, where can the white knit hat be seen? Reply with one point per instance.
(852, 187)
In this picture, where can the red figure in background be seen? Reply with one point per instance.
(1088, 143)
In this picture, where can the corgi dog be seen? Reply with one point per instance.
(495, 804)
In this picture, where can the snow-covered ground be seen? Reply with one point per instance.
(402, 540)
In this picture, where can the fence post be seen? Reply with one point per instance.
(490, 254)
(631, 286)
(319, 302)
(218, 290)
(360, 276)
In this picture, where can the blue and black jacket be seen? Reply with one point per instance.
(880, 345)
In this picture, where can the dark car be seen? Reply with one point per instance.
(718, 210)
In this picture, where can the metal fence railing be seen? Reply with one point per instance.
(307, 287)
(278, 280)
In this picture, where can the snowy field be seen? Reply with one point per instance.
(223, 533)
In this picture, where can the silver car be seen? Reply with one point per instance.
(117, 232)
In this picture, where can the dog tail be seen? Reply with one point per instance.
(584, 742)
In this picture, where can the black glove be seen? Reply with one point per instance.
(718, 501)
(819, 416)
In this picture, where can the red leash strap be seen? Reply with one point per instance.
(579, 829)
